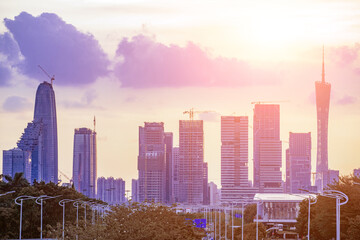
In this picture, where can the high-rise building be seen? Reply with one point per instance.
(175, 173)
(45, 112)
(152, 162)
(234, 158)
(322, 90)
(17, 161)
(298, 162)
(357, 172)
(111, 190)
(134, 190)
(169, 165)
(206, 193)
(267, 148)
(333, 176)
(85, 161)
(214, 194)
(32, 142)
(191, 147)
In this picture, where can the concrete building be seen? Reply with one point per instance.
(111, 190)
(169, 165)
(333, 176)
(206, 193)
(85, 162)
(152, 162)
(135, 190)
(214, 194)
(17, 161)
(267, 149)
(234, 158)
(175, 173)
(298, 162)
(191, 141)
(322, 91)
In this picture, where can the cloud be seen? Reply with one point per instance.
(149, 64)
(209, 116)
(75, 58)
(87, 101)
(9, 55)
(346, 100)
(16, 104)
(346, 55)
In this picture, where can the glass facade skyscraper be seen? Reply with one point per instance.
(17, 160)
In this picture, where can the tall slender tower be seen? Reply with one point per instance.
(322, 107)
(45, 112)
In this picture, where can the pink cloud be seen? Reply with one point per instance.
(346, 100)
(150, 64)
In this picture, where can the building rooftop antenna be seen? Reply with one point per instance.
(51, 78)
(94, 123)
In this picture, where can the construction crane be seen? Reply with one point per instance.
(261, 102)
(51, 78)
(191, 113)
(63, 174)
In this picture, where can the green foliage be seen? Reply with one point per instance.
(353, 232)
(250, 213)
(136, 221)
(323, 213)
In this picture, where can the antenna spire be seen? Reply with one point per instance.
(323, 67)
(94, 123)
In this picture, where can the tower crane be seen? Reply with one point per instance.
(63, 174)
(51, 78)
(191, 113)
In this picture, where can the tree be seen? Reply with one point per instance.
(250, 213)
(353, 232)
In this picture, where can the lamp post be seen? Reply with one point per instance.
(76, 204)
(62, 203)
(3, 194)
(21, 199)
(40, 200)
(311, 197)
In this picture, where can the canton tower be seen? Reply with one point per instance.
(45, 113)
(322, 90)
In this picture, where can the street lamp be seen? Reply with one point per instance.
(62, 203)
(21, 199)
(3, 194)
(40, 200)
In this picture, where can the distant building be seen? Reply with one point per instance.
(152, 162)
(333, 176)
(234, 158)
(17, 161)
(206, 193)
(134, 190)
(175, 173)
(169, 165)
(191, 141)
(111, 190)
(298, 162)
(214, 194)
(267, 149)
(322, 90)
(85, 161)
(357, 172)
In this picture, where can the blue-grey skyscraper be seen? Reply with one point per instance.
(85, 161)
(169, 165)
(45, 112)
(111, 190)
(322, 90)
(298, 162)
(17, 160)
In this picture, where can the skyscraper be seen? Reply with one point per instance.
(267, 148)
(134, 190)
(322, 108)
(17, 160)
(152, 162)
(191, 157)
(234, 157)
(175, 173)
(206, 193)
(111, 190)
(169, 166)
(45, 112)
(85, 161)
(298, 162)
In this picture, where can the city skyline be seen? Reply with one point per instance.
(122, 105)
